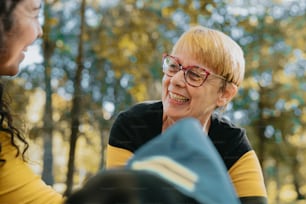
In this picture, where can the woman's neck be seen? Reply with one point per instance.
(167, 122)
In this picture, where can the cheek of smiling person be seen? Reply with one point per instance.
(181, 100)
(25, 30)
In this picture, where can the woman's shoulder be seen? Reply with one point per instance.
(137, 125)
(143, 109)
(230, 140)
(147, 105)
(8, 151)
(221, 124)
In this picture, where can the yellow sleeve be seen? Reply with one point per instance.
(247, 177)
(117, 157)
(19, 184)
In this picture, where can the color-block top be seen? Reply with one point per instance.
(143, 122)
(18, 183)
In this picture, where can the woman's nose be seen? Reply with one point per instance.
(40, 31)
(178, 78)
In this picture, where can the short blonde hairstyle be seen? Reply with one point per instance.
(215, 50)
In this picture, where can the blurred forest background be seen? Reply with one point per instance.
(98, 57)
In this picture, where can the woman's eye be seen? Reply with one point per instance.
(195, 75)
(173, 67)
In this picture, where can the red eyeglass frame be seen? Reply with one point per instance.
(192, 66)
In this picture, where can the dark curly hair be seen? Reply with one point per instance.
(6, 18)
(6, 120)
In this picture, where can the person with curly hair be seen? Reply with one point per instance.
(19, 28)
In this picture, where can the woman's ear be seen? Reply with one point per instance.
(227, 94)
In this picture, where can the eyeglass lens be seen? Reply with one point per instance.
(193, 75)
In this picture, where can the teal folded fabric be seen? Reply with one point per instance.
(185, 157)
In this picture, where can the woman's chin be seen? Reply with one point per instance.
(9, 70)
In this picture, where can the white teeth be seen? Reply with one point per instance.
(178, 98)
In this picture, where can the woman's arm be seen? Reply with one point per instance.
(117, 157)
(246, 175)
(18, 182)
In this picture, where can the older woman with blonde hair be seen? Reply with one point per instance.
(201, 74)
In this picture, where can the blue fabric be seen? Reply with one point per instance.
(185, 157)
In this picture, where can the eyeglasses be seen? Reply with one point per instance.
(194, 75)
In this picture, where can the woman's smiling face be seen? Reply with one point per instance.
(182, 100)
(213, 51)
(25, 30)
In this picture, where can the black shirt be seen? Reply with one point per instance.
(142, 122)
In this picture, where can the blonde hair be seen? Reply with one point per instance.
(215, 50)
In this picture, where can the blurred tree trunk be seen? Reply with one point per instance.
(260, 126)
(261, 123)
(48, 48)
(76, 103)
(104, 142)
(296, 181)
(277, 180)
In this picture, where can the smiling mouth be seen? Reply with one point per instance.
(178, 98)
